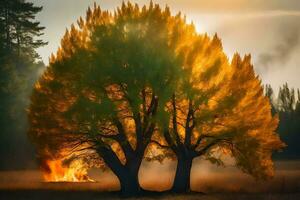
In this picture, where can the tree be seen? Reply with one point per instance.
(286, 99)
(220, 109)
(18, 30)
(104, 92)
(297, 106)
(19, 69)
(269, 92)
(286, 105)
(122, 81)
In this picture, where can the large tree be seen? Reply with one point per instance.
(107, 87)
(122, 81)
(220, 109)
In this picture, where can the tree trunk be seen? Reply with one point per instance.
(127, 174)
(7, 28)
(129, 180)
(129, 184)
(181, 182)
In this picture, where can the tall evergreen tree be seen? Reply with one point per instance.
(287, 106)
(19, 68)
(286, 99)
(269, 92)
(18, 28)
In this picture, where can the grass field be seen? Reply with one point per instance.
(216, 183)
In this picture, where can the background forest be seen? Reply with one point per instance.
(287, 105)
(20, 66)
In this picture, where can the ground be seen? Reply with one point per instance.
(215, 183)
(93, 195)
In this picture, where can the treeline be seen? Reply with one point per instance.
(287, 105)
(20, 66)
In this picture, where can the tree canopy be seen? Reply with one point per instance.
(219, 109)
(139, 76)
(107, 86)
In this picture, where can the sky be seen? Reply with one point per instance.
(267, 29)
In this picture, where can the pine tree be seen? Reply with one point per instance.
(18, 30)
(286, 99)
(19, 68)
(286, 105)
(270, 94)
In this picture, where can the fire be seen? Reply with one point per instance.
(58, 172)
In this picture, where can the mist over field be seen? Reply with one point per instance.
(155, 176)
(216, 184)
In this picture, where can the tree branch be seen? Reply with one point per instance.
(160, 145)
(188, 128)
(174, 120)
(213, 143)
(169, 140)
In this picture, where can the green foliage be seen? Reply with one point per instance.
(18, 30)
(223, 110)
(113, 74)
(119, 78)
(286, 99)
(19, 69)
(286, 105)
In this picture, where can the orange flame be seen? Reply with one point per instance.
(57, 172)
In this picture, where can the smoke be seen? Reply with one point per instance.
(282, 51)
(16, 151)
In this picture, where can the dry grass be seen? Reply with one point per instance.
(217, 183)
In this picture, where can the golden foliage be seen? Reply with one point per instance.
(141, 46)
